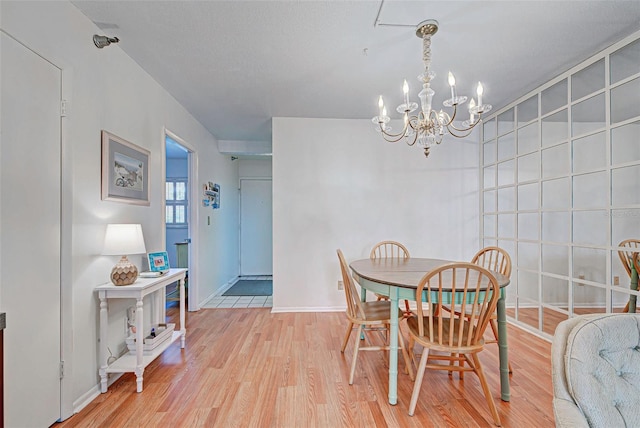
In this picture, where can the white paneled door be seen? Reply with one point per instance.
(256, 248)
(30, 171)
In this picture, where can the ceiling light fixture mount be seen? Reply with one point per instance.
(102, 41)
(427, 127)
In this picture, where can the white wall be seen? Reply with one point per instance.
(255, 168)
(107, 90)
(337, 184)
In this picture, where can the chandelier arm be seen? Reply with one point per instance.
(393, 138)
(471, 126)
(459, 133)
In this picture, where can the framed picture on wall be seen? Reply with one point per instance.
(125, 171)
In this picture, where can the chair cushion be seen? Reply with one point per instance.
(602, 363)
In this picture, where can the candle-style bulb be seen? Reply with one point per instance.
(479, 91)
(472, 105)
(384, 111)
(380, 105)
(452, 80)
(405, 87)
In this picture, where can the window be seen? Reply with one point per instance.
(176, 201)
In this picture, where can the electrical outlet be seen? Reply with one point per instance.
(340, 285)
(616, 280)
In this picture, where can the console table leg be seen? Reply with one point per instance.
(139, 344)
(104, 359)
(183, 329)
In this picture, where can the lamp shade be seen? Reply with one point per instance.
(123, 239)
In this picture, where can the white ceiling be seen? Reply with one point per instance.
(236, 64)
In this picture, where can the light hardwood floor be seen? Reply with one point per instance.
(251, 368)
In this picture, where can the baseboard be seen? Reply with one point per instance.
(85, 399)
(220, 291)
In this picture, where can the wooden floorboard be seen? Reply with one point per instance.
(251, 368)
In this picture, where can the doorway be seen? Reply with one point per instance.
(179, 212)
(256, 227)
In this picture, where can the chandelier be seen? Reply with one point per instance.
(427, 126)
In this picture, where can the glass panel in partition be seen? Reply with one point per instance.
(590, 190)
(528, 196)
(589, 153)
(528, 226)
(529, 167)
(507, 146)
(489, 201)
(590, 264)
(556, 161)
(528, 287)
(551, 318)
(588, 115)
(505, 122)
(625, 185)
(588, 80)
(625, 146)
(507, 199)
(489, 152)
(528, 256)
(556, 226)
(489, 129)
(527, 110)
(625, 62)
(506, 173)
(555, 259)
(619, 300)
(588, 299)
(554, 97)
(590, 227)
(506, 225)
(490, 225)
(556, 194)
(489, 177)
(528, 138)
(555, 128)
(625, 224)
(555, 292)
(624, 101)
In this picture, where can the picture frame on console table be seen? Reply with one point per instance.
(125, 171)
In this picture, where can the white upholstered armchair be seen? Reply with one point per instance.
(595, 362)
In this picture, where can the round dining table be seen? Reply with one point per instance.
(398, 279)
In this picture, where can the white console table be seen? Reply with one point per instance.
(142, 287)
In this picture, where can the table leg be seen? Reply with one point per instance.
(139, 345)
(183, 328)
(505, 393)
(393, 347)
(104, 359)
(634, 286)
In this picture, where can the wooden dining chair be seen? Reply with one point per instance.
(367, 316)
(630, 246)
(494, 259)
(467, 289)
(390, 250)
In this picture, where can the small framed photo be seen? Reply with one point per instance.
(158, 262)
(125, 171)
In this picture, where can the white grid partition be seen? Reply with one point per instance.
(560, 173)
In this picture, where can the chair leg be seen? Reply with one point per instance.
(346, 337)
(494, 328)
(355, 355)
(405, 354)
(487, 392)
(418, 383)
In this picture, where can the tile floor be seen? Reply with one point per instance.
(242, 301)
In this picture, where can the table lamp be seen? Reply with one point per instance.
(123, 239)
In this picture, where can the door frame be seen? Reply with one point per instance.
(192, 195)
